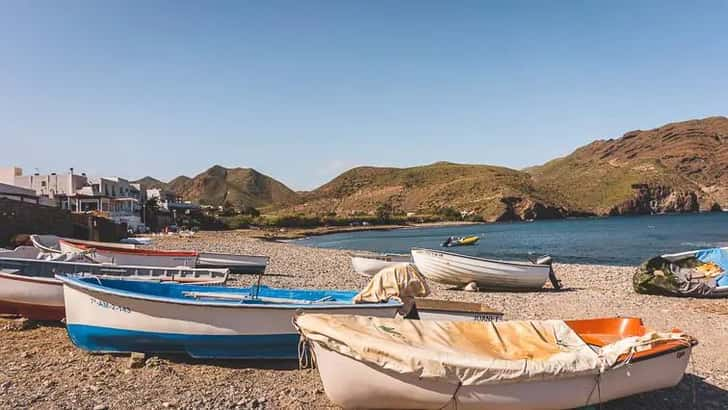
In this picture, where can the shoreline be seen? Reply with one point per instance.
(290, 234)
(44, 369)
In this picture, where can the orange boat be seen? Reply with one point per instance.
(551, 364)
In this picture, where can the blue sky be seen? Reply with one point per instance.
(303, 90)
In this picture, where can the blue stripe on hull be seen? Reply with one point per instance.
(107, 340)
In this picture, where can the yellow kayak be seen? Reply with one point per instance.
(462, 241)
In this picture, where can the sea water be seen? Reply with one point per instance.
(626, 240)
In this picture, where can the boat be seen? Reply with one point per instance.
(129, 254)
(404, 282)
(369, 264)
(438, 309)
(460, 241)
(51, 243)
(28, 287)
(117, 316)
(460, 270)
(549, 364)
(700, 273)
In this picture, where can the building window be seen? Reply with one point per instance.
(42, 183)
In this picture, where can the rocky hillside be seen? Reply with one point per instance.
(149, 182)
(494, 193)
(679, 167)
(239, 186)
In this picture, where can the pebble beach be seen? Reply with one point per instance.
(42, 369)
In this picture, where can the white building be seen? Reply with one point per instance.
(114, 197)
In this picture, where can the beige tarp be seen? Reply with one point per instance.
(402, 281)
(463, 352)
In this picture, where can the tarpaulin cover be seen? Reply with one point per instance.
(402, 281)
(467, 352)
(684, 275)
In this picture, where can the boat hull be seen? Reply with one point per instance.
(352, 384)
(32, 298)
(110, 323)
(459, 270)
(133, 257)
(370, 266)
(235, 263)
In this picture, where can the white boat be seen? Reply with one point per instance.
(128, 254)
(110, 315)
(51, 243)
(437, 309)
(421, 365)
(369, 264)
(460, 270)
(28, 287)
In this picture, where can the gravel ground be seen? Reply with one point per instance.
(41, 368)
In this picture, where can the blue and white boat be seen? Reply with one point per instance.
(118, 316)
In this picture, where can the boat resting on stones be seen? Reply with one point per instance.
(512, 365)
(115, 316)
(700, 274)
(28, 287)
(129, 254)
(404, 282)
(368, 264)
(461, 270)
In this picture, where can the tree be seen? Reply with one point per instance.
(384, 212)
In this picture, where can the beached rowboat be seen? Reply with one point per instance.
(28, 287)
(126, 254)
(369, 264)
(502, 365)
(459, 270)
(207, 322)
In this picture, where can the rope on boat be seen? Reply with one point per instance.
(454, 397)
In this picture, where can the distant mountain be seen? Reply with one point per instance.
(239, 186)
(679, 167)
(149, 182)
(178, 184)
(495, 193)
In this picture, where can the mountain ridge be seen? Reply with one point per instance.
(677, 167)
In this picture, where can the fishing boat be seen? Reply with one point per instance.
(28, 287)
(460, 241)
(129, 254)
(550, 364)
(460, 270)
(368, 264)
(51, 243)
(109, 315)
(438, 309)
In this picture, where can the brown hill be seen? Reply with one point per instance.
(495, 193)
(239, 186)
(149, 182)
(678, 167)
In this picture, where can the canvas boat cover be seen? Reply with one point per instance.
(701, 274)
(469, 353)
(402, 281)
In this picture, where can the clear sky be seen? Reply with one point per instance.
(302, 90)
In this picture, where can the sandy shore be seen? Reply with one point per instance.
(41, 368)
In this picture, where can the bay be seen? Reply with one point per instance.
(622, 241)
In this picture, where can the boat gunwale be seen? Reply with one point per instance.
(513, 263)
(140, 252)
(90, 287)
(32, 279)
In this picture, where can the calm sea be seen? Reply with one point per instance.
(611, 241)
